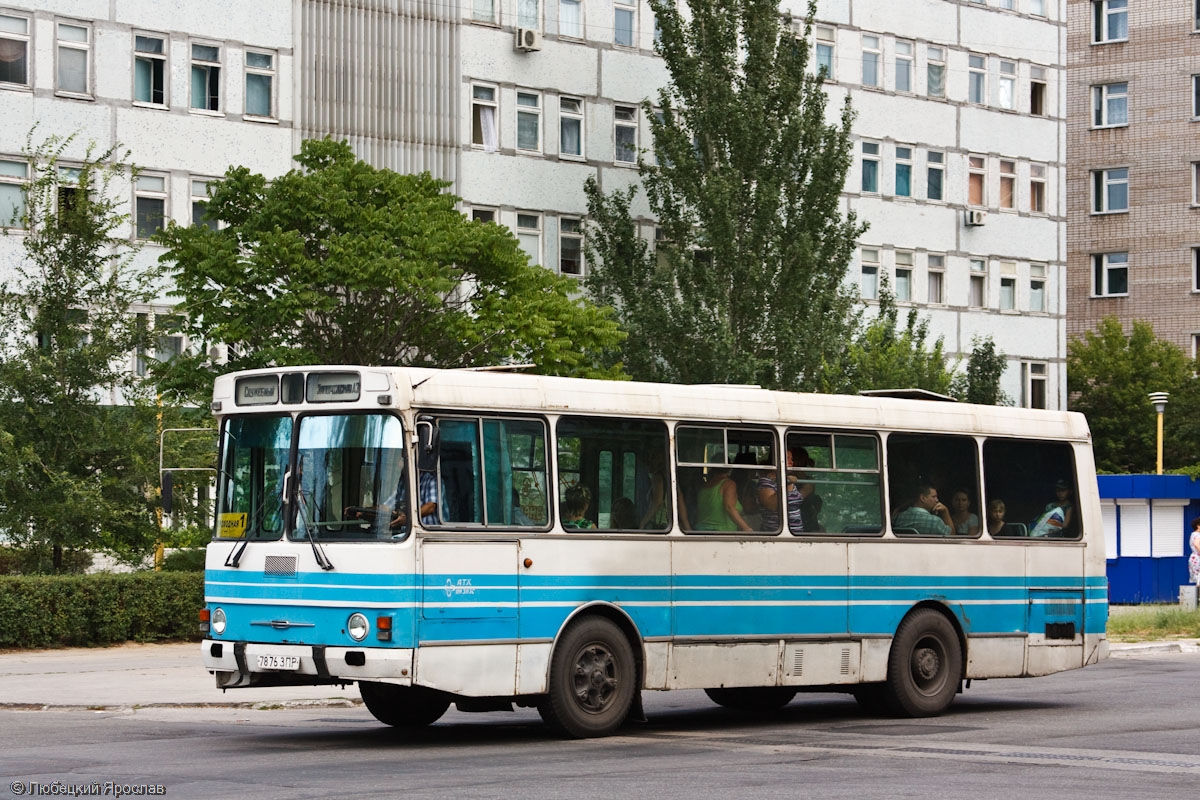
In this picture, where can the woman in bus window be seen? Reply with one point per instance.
(575, 505)
(768, 496)
(966, 523)
(717, 504)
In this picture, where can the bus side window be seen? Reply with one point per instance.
(622, 465)
(710, 458)
(492, 471)
(1034, 482)
(839, 481)
(948, 464)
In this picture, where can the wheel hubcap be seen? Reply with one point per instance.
(928, 659)
(595, 678)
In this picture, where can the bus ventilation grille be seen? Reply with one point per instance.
(280, 566)
(1060, 630)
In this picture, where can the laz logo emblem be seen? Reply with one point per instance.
(461, 586)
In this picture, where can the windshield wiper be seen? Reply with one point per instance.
(310, 530)
(235, 555)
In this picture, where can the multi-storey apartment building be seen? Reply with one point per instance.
(959, 142)
(1134, 177)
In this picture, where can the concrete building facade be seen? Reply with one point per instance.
(959, 142)
(1134, 177)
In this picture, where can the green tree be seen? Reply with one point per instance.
(745, 178)
(980, 383)
(338, 262)
(1109, 375)
(75, 427)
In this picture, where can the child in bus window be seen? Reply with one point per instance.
(575, 505)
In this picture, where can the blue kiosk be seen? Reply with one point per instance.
(1147, 520)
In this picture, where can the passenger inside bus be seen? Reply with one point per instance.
(717, 505)
(575, 507)
(624, 515)
(797, 493)
(926, 515)
(966, 521)
(995, 516)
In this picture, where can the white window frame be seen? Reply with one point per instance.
(978, 277)
(1103, 181)
(61, 44)
(163, 58)
(1195, 271)
(1102, 267)
(22, 181)
(1008, 286)
(625, 117)
(1195, 184)
(825, 36)
(869, 152)
(630, 8)
(581, 32)
(481, 103)
(977, 75)
(1008, 179)
(1103, 95)
(24, 37)
(872, 47)
(219, 64)
(977, 165)
(1196, 97)
(1035, 372)
(1037, 78)
(478, 214)
(869, 265)
(1006, 86)
(1037, 178)
(904, 58)
(935, 61)
(528, 111)
(144, 192)
(575, 235)
(476, 12)
(521, 20)
(1037, 288)
(195, 196)
(935, 270)
(578, 116)
(1103, 12)
(524, 231)
(903, 284)
(904, 158)
(1007, 5)
(271, 73)
(1037, 8)
(935, 161)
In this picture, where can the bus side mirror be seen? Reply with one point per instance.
(427, 444)
(168, 482)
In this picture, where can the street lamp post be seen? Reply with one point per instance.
(1159, 399)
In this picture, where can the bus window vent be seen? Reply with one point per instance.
(845, 661)
(280, 566)
(1060, 630)
(798, 662)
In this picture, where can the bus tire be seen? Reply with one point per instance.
(403, 706)
(752, 698)
(593, 678)
(924, 665)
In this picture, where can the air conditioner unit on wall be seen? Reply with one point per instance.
(527, 40)
(974, 218)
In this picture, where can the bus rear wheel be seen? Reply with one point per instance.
(752, 698)
(403, 706)
(924, 666)
(593, 678)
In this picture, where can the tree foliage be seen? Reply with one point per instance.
(1109, 375)
(980, 382)
(337, 262)
(746, 282)
(76, 431)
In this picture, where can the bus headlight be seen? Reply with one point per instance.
(357, 626)
(218, 621)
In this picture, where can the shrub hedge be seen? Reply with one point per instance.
(88, 610)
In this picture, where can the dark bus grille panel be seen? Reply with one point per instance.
(1060, 630)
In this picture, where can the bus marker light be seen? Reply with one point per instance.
(528, 563)
(383, 629)
(204, 616)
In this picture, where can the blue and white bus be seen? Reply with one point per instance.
(490, 538)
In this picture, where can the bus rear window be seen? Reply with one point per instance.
(1031, 489)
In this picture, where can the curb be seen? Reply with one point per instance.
(1120, 651)
(258, 705)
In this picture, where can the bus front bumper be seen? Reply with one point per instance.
(240, 664)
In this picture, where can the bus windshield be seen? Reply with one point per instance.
(250, 485)
(353, 484)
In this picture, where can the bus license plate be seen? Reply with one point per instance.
(279, 662)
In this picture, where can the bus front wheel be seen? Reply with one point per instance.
(752, 698)
(403, 706)
(924, 666)
(593, 678)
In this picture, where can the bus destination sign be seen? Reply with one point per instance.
(259, 390)
(333, 387)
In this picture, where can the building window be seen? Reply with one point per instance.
(1196, 183)
(483, 118)
(206, 77)
(870, 274)
(904, 262)
(529, 14)
(150, 204)
(570, 18)
(937, 275)
(14, 176)
(1037, 188)
(870, 166)
(978, 287)
(1195, 264)
(166, 346)
(1110, 105)
(570, 127)
(870, 61)
(1110, 191)
(624, 18)
(935, 72)
(825, 50)
(483, 10)
(904, 66)
(1008, 285)
(14, 50)
(1008, 184)
(1037, 8)
(529, 235)
(1110, 274)
(74, 51)
(1006, 4)
(529, 122)
(200, 200)
(570, 246)
(1034, 377)
(1110, 20)
(1037, 91)
(1008, 85)
(935, 175)
(903, 171)
(150, 70)
(483, 215)
(260, 77)
(1037, 287)
(976, 180)
(1196, 15)
(977, 79)
(625, 134)
(1196, 96)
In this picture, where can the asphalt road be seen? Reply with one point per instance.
(1128, 727)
